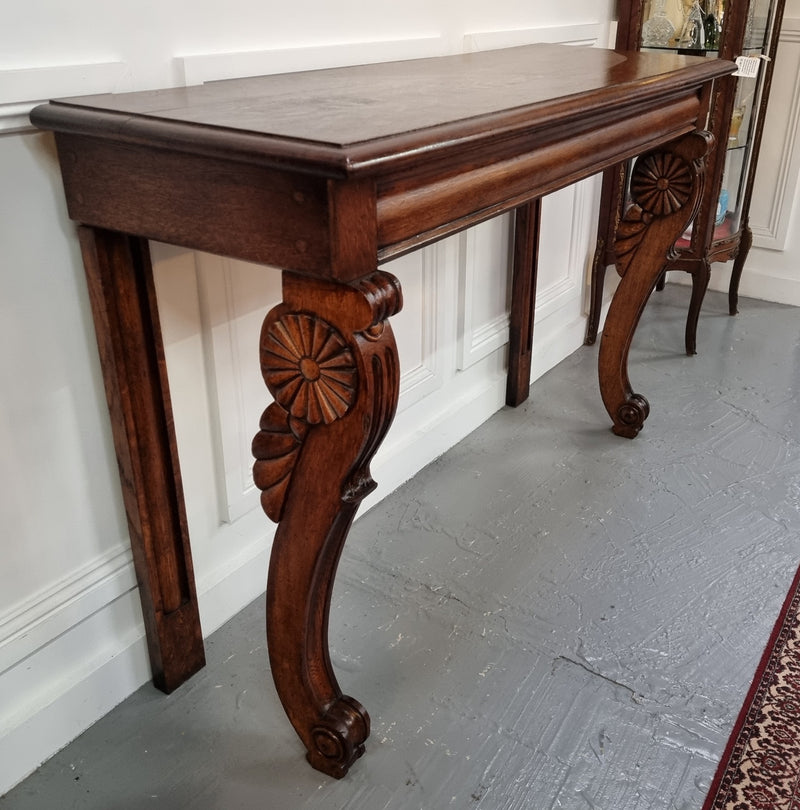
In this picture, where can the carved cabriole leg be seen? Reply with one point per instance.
(700, 278)
(745, 243)
(666, 187)
(329, 359)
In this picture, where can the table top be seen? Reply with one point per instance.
(353, 119)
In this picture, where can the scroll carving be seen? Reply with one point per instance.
(661, 185)
(666, 188)
(338, 740)
(329, 359)
(276, 447)
(312, 374)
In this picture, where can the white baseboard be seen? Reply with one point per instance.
(755, 283)
(70, 694)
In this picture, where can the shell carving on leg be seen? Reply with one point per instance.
(311, 373)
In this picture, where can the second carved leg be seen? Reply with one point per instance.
(330, 361)
(666, 187)
(738, 265)
(700, 278)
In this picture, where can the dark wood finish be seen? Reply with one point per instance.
(327, 174)
(128, 333)
(666, 188)
(329, 359)
(705, 247)
(527, 224)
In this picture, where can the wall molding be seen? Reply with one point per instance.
(551, 298)
(578, 34)
(225, 332)
(206, 67)
(230, 342)
(478, 339)
(77, 693)
(427, 375)
(773, 232)
(22, 89)
(33, 623)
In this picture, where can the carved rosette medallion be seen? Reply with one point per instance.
(661, 183)
(308, 368)
(312, 374)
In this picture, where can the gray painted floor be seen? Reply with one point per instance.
(546, 617)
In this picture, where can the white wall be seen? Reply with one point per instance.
(772, 271)
(71, 634)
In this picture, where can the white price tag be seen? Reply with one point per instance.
(747, 66)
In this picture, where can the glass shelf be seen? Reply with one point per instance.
(711, 53)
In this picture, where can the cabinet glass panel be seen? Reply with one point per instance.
(685, 25)
(759, 20)
(744, 122)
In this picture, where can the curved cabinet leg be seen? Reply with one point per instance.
(666, 186)
(745, 244)
(700, 279)
(329, 358)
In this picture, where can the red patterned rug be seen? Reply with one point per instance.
(760, 769)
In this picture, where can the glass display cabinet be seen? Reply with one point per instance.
(745, 31)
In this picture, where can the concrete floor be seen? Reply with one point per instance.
(546, 617)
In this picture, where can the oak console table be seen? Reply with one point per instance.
(327, 174)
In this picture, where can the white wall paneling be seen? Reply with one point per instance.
(416, 326)
(484, 289)
(31, 624)
(22, 89)
(779, 166)
(566, 249)
(235, 297)
(204, 67)
(581, 34)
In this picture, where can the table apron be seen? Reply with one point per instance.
(410, 216)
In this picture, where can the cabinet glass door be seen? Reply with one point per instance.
(689, 26)
(744, 119)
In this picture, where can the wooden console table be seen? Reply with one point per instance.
(327, 174)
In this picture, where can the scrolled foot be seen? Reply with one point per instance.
(666, 188)
(630, 416)
(338, 739)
